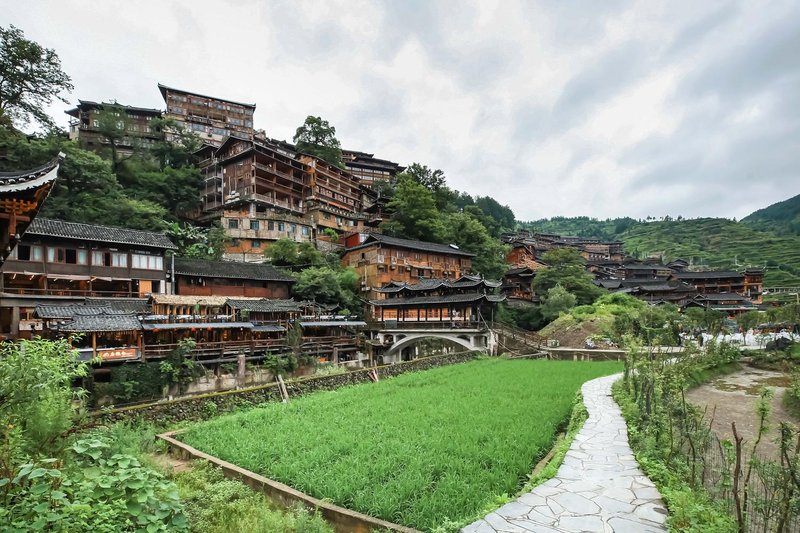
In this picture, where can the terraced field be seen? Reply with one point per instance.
(428, 450)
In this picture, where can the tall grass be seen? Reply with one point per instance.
(422, 449)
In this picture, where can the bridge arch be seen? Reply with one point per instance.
(409, 340)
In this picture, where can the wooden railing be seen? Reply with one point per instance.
(527, 337)
(202, 350)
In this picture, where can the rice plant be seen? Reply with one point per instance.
(421, 449)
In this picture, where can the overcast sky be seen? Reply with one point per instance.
(599, 108)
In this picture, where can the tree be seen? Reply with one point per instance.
(175, 145)
(330, 286)
(501, 214)
(471, 236)
(282, 252)
(308, 255)
(431, 179)
(318, 138)
(37, 396)
(557, 300)
(197, 242)
(566, 268)
(30, 78)
(113, 124)
(415, 215)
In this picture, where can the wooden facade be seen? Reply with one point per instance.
(85, 127)
(66, 262)
(379, 260)
(446, 303)
(198, 277)
(368, 169)
(212, 119)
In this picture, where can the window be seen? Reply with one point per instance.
(271, 225)
(233, 223)
(281, 226)
(55, 255)
(99, 259)
(147, 262)
(254, 224)
(29, 253)
(119, 259)
(256, 243)
(305, 231)
(292, 228)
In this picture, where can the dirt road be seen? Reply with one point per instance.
(735, 397)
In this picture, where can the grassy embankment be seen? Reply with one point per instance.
(428, 450)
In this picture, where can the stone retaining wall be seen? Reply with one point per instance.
(208, 405)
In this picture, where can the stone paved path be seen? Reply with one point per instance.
(599, 487)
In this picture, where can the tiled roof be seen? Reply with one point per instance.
(722, 297)
(100, 323)
(708, 274)
(334, 323)
(177, 299)
(445, 249)
(521, 270)
(229, 269)
(93, 232)
(264, 305)
(199, 325)
(126, 305)
(423, 300)
(429, 284)
(30, 179)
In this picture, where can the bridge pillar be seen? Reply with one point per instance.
(491, 342)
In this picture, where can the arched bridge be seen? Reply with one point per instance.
(395, 339)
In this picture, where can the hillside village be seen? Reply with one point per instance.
(133, 295)
(319, 338)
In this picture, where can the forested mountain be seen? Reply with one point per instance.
(782, 218)
(712, 242)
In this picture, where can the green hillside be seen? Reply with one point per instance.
(782, 218)
(712, 242)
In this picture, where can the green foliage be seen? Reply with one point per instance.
(282, 252)
(529, 317)
(566, 268)
(712, 242)
(470, 235)
(178, 369)
(192, 241)
(782, 218)
(384, 461)
(30, 78)
(415, 214)
(318, 138)
(327, 285)
(214, 504)
(131, 382)
(97, 490)
(37, 397)
(556, 301)
(720, 243)
(431, 179)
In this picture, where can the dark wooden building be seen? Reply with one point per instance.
(380, 259)
(199, 277)
(85, 126)
(464, 301)
(213, 119)
(61, 262)
(368, 169)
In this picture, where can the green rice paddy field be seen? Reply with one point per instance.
(426, 450)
